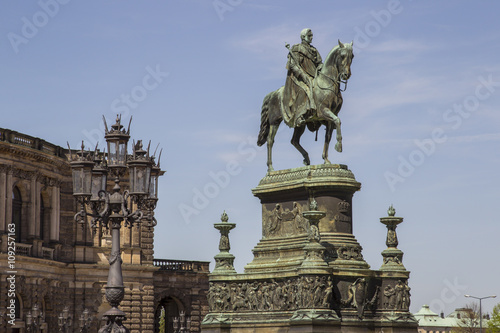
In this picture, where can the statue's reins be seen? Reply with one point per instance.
(338, 81)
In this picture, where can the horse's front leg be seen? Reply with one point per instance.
(270, 142)
(297, 133)
(338, 145)
(328, 137)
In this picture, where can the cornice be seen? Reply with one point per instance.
(23, 153)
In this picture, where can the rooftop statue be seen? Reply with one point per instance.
(310, 97)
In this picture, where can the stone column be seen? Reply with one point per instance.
(37, 194)
(34, 216)
(33, 219)
(8, 197)
(3, 210)
(7, 213)
(55, 213)
(3, 198)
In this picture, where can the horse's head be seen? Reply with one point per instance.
(338, 62)
(343, 58)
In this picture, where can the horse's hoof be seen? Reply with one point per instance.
(327, 162)
(269, 169)
(307, 162)
(338, 147)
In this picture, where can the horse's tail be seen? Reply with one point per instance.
(264, 121)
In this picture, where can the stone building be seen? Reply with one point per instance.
(460, 320)
(49, 263)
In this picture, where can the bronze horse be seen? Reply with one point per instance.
(327, 95)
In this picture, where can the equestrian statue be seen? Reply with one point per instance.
(311, 96)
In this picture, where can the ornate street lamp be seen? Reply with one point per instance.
(65, 321)
(85, 321)
(34, 319)
(480, 309)
(185, 323)
(109, 209)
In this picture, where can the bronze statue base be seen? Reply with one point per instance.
(309, 276)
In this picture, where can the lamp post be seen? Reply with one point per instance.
(185, 323)
(85, 320)
(34, 319)
(480, 309)
(65, 321)
(110, 209)
(3, 317)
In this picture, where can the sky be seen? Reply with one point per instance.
(420, 125)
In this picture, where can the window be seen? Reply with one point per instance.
(17, 203)
(18, 308)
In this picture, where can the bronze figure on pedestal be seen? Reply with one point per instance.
(310, 97)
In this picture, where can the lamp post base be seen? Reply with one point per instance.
(114, 323)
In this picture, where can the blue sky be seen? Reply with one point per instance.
(420, 121)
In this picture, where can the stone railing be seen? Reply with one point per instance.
(181, 265)
(31, 142)
(23, 249)
(47, 253)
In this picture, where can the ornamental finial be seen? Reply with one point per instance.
(224, 218)
(391, 211)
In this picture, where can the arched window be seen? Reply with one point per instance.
(17, 204)
(18, 308)
(42, 218)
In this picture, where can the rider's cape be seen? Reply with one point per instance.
(295, 94)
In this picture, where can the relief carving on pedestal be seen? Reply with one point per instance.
(224, 263)
(395, 259)
(357, 297)
(346, 252)
(282, 222)
(343, 208)
(397, 297)
(350, 253)
(306, 292)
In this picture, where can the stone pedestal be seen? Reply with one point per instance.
(284, 195)
(308, 273)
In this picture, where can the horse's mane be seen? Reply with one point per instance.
(334, 52)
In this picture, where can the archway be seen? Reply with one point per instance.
(168, 308)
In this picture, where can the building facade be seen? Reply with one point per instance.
(460, 320)
(49, 263)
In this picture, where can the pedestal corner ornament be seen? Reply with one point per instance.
(392, 256)
(224, 261)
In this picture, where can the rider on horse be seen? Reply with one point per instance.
(311, 97)
(303, 63)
